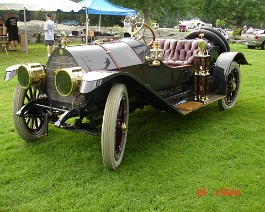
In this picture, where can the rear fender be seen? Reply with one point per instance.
(221, 69)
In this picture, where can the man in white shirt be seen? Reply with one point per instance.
(49, 33)
(127, 26)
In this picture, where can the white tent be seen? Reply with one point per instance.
(48, 5)
(43, 5)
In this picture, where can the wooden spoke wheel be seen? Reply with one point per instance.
(31, 125)
(232, 87)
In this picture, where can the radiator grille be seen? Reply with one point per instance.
(69, 102)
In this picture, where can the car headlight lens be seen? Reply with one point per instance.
(68, 80)
(30, 74)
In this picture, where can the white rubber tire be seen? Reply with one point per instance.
(113, 138)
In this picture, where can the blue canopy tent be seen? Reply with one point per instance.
(102, 7)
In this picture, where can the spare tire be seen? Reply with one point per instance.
(211, 37)
(219, 34)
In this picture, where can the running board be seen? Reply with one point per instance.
(190, 106)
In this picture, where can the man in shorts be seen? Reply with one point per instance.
(12, 30)
(49, 34)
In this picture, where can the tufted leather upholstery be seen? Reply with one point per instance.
(178, 52)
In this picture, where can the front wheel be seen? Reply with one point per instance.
(232, 87)
(30, 126)
(115, 126)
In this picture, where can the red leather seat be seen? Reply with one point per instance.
(178, 52)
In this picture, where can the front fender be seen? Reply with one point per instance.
(11, 71)
(93, 79)
(105, 79)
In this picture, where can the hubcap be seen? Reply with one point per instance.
(232, 86)
(121, 128)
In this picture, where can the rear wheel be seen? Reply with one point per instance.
(250, 47)
(115, 126)
(213, 39)
(232, 87)
(30, 126)
(263, 46)
(219, 34)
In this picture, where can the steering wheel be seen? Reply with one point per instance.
(144, 33)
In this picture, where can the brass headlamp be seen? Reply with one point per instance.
(67, 80)
(31, 74)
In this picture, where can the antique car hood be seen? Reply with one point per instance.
(108, 56)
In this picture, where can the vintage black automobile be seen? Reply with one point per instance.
(93, 88)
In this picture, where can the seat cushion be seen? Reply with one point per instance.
(179, 52)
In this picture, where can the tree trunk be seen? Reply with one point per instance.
(146, 15)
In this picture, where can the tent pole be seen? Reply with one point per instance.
(86, 26)
(99, 23)
(26, 36)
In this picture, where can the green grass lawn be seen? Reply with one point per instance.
(168, 158)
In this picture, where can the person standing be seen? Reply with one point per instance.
(1, 26)
(49, 34)
(12, 30)
(1, 22)
(127, 26)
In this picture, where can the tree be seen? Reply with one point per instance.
(158, 9)
(233, 12)
(219, 23)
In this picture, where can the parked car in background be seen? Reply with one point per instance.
(182, 28)
(70, 23)
(253, 31)
(254, 38)
(259, 32)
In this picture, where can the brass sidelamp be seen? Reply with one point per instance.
(156, 54)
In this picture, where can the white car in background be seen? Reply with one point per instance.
(254, 38)
(253, 31)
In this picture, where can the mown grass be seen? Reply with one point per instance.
(168, 158)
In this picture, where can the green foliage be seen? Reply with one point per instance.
(236, 31)
(219, 23)
(119, 30)
(168, 158)
(169, 13)
(233, 12)
(165, 12)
